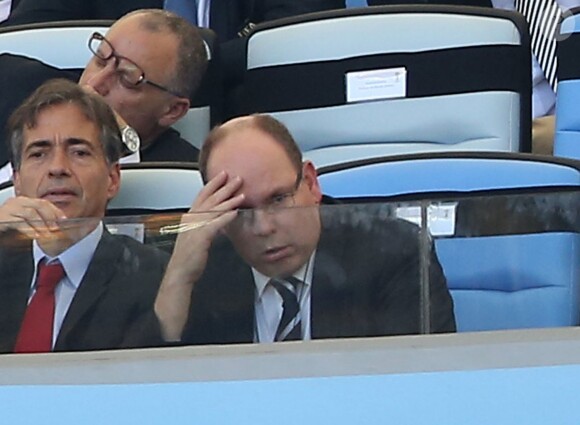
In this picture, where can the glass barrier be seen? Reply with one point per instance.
(511, 261)
(345, 270)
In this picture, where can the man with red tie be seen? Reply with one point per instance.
(66, 283)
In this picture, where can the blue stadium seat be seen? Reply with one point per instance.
(567, 139)
(498, 280)
(356, 3)
(157, 186)
(363, 82)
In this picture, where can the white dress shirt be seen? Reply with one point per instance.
(203, 13)
(543, 97)
(268, 303)
(75, 261)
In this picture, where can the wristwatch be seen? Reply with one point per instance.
(130, 138)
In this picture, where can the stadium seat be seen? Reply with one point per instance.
(6, 191)
(524, 276)
(363, 82)
(156, 186)
(567, 139)
(148, 187)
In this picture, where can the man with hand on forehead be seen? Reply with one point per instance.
(286, 268)
(66, 283)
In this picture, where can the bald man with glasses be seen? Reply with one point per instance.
(145, 67)
(258, 260)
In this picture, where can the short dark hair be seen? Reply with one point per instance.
(192, 55)
(263, 122)
(59, 92)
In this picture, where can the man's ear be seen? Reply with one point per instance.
(176, 109)
(114, 181)
(311, 179)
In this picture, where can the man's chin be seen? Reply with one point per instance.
(280, 269)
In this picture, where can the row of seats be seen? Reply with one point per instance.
(372, 81)
(507, 266)
(360, 82)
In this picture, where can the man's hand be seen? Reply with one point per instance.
(212, 210)
(36, 218)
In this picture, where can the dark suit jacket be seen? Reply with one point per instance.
(31, 11)
(108, 309)
(365, 283)
(227, 17)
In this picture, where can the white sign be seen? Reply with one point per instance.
(440, 217)
(376, 84)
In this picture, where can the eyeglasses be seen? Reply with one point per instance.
(274, 205)
(129, 73)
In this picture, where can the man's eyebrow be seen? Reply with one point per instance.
(71, 141)
(74, 141)
(37, 144)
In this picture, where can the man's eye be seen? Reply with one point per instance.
(126, 80)
(279, 199)
(35, 154)
(81, 152)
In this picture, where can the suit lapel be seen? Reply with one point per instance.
(16, 271)
(238, 313)
(245, 320)
(94, 283)
(330, 305)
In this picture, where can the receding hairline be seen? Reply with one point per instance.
(188, 57)
(240, 123)
(231, 128)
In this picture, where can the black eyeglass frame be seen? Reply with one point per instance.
(142, 80)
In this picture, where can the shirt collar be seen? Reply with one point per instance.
(75, 259)
(304, 274)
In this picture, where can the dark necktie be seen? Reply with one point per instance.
(543, 17)
(35, 334)
(187, 9)
(289, 328)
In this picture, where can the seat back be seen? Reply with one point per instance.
(497, 281)
(442, 173)
(355, 3)
(363, 82)
(567, 138)
(156, 186)
(59, 44)
(6, 191)
(513, 282)
(147, 187)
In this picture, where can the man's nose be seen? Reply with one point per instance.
(263, 222)
(59, 163)
(102, 80)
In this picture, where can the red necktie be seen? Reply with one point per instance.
(35, 334)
